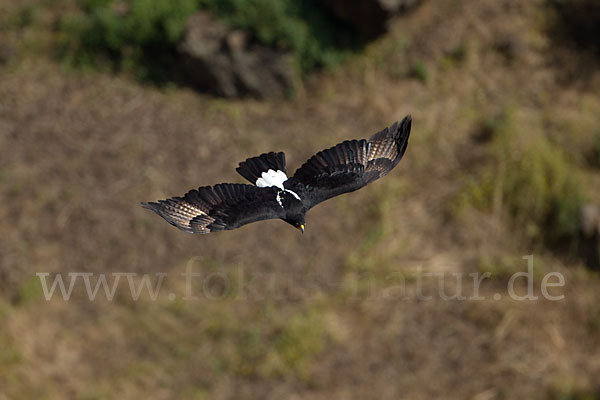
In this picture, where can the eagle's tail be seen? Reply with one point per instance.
(253, 168)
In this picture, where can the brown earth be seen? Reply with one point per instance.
(279, 314)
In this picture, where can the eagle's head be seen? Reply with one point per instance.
(296, 220)
(294, 209)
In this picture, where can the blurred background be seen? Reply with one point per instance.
(107, 103)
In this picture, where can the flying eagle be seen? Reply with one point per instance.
(343, 168)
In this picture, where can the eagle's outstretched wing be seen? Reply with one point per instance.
(350, 165)
(221, 207)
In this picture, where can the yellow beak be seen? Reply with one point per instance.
(301, 228)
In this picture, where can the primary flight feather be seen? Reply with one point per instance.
(343, 168)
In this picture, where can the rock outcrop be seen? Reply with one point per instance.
(369, 17)
(228, 63)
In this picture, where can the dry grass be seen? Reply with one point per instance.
(312, 316)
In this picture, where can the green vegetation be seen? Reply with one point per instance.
(298, 342)
(566, 389)
(542, 191)
(503, 266)
(140, 36)
(267, 343)
(29, 291)
(10, 355)
(531, 179)
(303, 27)
(420, 71)
(137, 36)
(288, 349)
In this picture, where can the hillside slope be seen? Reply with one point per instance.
(333, 313)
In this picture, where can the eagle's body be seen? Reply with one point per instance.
(343, 168)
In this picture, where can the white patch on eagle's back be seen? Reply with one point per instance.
(286, 190)
(293, 193)
(272, 178)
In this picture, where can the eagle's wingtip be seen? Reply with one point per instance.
(405, 125)
(149, 205)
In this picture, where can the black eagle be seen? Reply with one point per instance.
(343, 168)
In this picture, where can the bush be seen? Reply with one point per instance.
(541, 189)
(140, 36)
(532, 180)
(304, 27)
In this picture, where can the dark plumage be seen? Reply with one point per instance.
(343, 168)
